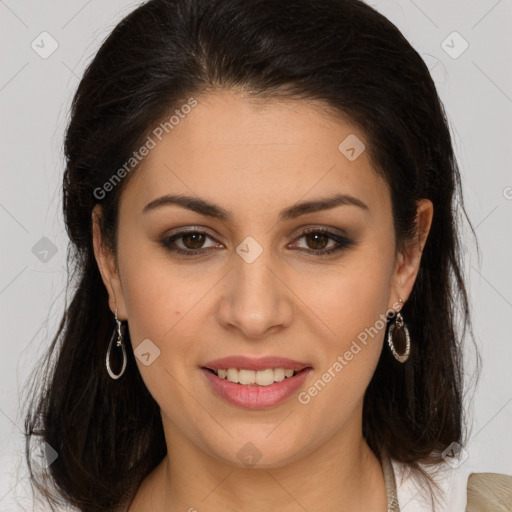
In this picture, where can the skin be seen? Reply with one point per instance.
(255, 159)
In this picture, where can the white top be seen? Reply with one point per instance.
(414, 496)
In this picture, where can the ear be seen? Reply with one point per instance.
(107, 266)
(408, 260)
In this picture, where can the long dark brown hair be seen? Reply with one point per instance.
(108, 434)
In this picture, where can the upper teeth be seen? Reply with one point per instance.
(260, 377)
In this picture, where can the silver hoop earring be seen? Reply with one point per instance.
(119, 344)
(400, 325)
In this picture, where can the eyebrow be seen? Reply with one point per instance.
(208, 209)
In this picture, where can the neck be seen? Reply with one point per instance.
(342, 474)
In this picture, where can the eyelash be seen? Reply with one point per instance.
(342, 241)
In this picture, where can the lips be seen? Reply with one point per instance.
(253, 396)
(252, 363)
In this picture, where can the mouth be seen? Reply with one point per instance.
(246, 377)
(255, 383)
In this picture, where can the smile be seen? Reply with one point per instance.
(271, 392)
(259, 377)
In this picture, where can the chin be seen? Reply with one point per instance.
(259, 453)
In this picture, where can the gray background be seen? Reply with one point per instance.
(35, 94)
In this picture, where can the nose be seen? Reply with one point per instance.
(255, 299)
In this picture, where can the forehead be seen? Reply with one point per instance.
(251, 155)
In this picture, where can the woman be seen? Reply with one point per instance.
(260, 199)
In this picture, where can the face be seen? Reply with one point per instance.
(263, 275)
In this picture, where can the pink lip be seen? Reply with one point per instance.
(254, 396)
(255, 363)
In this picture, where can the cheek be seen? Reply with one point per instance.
(160, 307)
(157, 293)
(353, 296)
(352, 304)
(165, 304)
(356, 315)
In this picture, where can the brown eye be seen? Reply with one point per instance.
(317, 240)
(193, 240)
(323, 243)
(189, 243)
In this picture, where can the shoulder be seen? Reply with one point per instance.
(489, 491)
(414, 494)
(462, 489)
